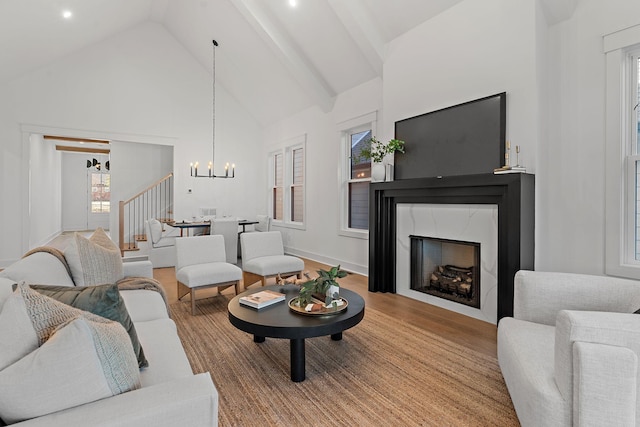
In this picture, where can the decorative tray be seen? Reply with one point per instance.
(324, 311)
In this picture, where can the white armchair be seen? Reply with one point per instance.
(228, 228)
(569, 355)
(160, 244)
(263, 257)
(201, 263)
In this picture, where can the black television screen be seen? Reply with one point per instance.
(464, 139)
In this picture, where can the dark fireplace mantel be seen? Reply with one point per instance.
(512, 193)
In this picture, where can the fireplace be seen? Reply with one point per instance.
(512, 195)
(448, 269)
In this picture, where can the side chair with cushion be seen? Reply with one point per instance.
(264, 223)
(201, 263)
(160, 244)
(228, 228)
(263, 257)
(569, 355)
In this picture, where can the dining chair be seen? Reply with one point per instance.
(227, 227)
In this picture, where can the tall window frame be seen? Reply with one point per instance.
(287, 183)
(364, 123)
(622, 53)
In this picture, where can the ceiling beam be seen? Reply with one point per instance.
(359, 24)
(82, 149)
(80, 140)
(289, 54)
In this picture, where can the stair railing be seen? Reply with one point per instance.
(156, 201)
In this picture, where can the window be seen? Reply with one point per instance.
(287, 171)
(359, 178)
(297, 185)
(622, 121)
(100, 192)
(277, 210)
(356, 176)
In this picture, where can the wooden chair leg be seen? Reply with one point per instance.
(193, 301)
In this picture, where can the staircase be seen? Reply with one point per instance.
(156, 201)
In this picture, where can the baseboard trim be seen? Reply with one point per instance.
(363, 270)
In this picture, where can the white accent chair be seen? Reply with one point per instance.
(201, 263)
(263, 257)
(160, 244)
(227, 227)
(264, 223)
(569, 355)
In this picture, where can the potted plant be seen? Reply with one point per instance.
(325, 286)
(376, 151)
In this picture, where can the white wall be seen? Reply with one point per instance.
(75, 200)
(143, 84)
(554, 79)
(320, 240)
(571, 193)
(45, 190)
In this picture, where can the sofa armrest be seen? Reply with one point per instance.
(138, 269)
(189, 401)
(599, 328)
(539, 296)
(605, 385)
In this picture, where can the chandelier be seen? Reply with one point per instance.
(194, 166)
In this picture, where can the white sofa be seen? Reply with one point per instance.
(569, 355)
(170, 393)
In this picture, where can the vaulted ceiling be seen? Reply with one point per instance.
(274, 58)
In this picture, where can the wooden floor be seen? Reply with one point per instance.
(463, 330)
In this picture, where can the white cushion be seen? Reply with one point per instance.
(93, 261)
(256, 245)
(526, 357)
(208, 274)
(39, 267)
(270, 265)
(163, 242)
(81, 362)
(155, 227)
(6, 289)
(167, 359)
(17, 335)
(144, 305)
(199, 250)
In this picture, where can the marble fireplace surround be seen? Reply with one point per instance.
(513, 194)
(467, 223)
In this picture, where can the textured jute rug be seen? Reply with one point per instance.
(382, 373)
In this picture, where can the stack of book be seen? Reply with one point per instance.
(262, 299)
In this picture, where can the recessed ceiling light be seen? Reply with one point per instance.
(293, 3)
(67, 14)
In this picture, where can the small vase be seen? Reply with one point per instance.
(333, 291)
(377, 172)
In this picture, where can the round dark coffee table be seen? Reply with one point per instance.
(278, 321)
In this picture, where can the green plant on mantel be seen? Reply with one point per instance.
(320, 285)
(376, 150)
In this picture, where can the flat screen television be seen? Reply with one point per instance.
(463, 139)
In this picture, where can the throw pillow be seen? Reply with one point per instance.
(83, 361)
(91, 263)
(102, 300)
(28, 319)
(156, 230)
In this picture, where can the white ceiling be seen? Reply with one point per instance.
(268, 51)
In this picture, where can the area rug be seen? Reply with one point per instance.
(382, 373)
